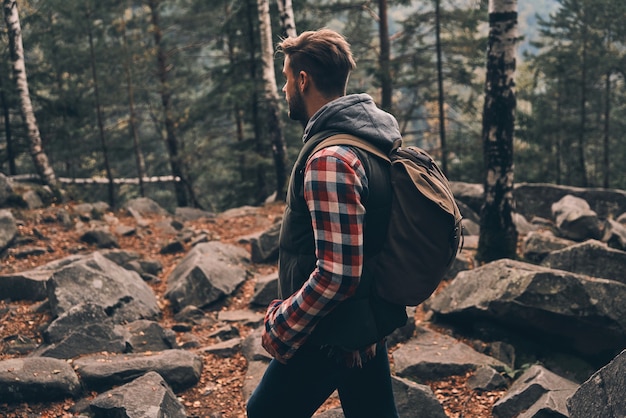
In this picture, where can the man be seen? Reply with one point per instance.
(328, 329)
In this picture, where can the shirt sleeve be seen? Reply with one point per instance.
(334, 186)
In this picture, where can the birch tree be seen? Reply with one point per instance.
(39, 157)
(287, 19)
(498, 236)
(279, 149)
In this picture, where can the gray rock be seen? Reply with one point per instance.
(615, 235)
(252, 349)
(32, 199)
(575, 220)
(8, 229)
(192, 214)
(76, 317)
(414, 400)
(6, 190)
(254, 373)
(522, 225)
(469, 193)
(602, 395)
(95, 279)
(145, 335)
(143, 206)
(538, 244)
(486, 379)
(226, 348)
(101, 238)
(431, 355)
(27, 285)
(265, 290)
(264, 248)
(463, 261)
(537, 393)
(242, 316)
(536, 199)
(206, 274)
(148, 396)
(37, 378)
(556, 307)
(181, 369)
(592, 258)
(87, 339)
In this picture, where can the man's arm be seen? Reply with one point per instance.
(334, 183)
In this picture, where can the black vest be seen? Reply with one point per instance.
(364, 318)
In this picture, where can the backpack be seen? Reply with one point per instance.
(424, 233)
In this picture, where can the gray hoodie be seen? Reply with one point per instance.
(358, 115)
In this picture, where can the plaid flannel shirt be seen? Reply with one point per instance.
(334, 182)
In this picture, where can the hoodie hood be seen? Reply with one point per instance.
(358, 115)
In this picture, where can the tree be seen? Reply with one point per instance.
(498, 235)
(166, 96)
(39, 157)
(384, 57)
(287, 19)
(279, 149)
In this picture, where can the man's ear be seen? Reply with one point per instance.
(303, 81)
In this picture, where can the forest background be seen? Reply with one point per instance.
(132, 89)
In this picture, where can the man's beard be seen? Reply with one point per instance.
(297, 109)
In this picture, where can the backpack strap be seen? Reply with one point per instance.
(351, 140)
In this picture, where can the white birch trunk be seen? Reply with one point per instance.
(287, 19)
(40, 159)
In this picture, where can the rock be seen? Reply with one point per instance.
(592, 258)
(265, 290)
(149, 336)
(575, 220)
(101, 238)
(7, 194)
(252, 349)
(226, 348)
(181, 369)
(148, 396)
(264, 248)
(486, 379)
(538, 244)
(95, 279)
(242, 316)
(206, 274)
(615, 235)
(192, 214)
(537, 393)
(551, 307)
(414, 400)
(40, 378)
(8, 228)
(431, 356)
(602, 395)
(143, 206)
(87, 339)
(536, 199)
(469, 193)
(76, 317)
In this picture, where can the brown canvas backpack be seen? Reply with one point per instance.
(425, 231)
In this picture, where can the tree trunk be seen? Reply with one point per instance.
(166, 95)
(385, 57)
(274, 124)
(287, 19)
(607, 126)
(39, 157)
(7, 130)
(583, 112)
(498, 235)
(442, 116)
(103, 142)
(132, 122)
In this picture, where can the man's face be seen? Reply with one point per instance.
(293, 95)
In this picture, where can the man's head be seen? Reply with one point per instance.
(317, 66)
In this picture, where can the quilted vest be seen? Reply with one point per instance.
(364, 318)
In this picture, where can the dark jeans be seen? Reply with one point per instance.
(299, 388)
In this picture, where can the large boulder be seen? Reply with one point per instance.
(603, 394)
(554, 307)
(536, 199)
(37, 378)
(592, 258)
(575, 220)
(206, 274)
(97, 280)
(8, 229)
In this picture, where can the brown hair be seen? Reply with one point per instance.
(325, 55)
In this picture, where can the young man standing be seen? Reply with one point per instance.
(328, 329)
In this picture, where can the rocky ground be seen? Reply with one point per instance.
(218, 394)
